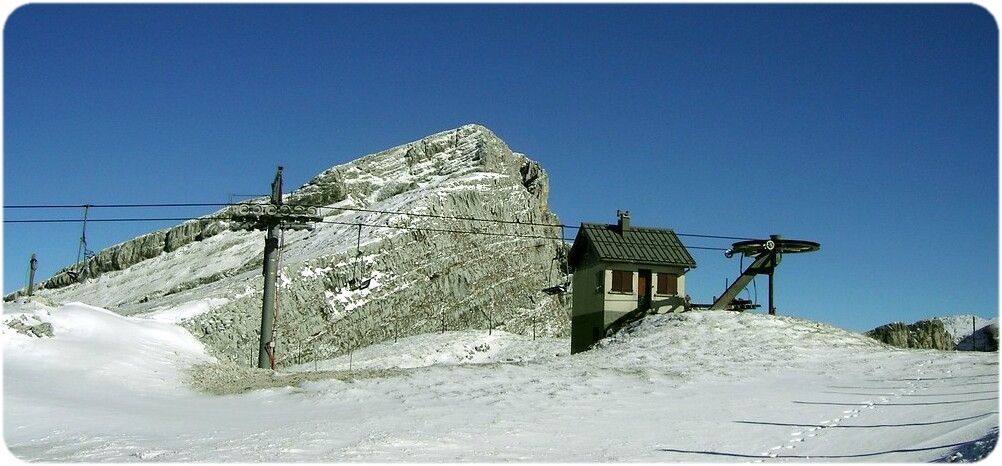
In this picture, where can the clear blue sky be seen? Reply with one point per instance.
(871, 129)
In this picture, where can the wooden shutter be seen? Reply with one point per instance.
(667, 283)
(622, 281)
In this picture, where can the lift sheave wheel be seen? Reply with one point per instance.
(767, 254)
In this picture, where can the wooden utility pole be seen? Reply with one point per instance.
(32, 265)
(273, 218)
(974, 334)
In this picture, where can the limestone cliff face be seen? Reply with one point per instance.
(423, 272)
(924, 334)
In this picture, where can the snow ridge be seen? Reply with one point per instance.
(960, 326)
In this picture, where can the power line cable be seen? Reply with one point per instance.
(350, 209)
(118, 206)
(333, 222)
(137, 219)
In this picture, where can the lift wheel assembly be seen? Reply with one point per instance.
(767, 253)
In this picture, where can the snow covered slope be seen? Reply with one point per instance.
(448, 348)
(208, 279)
(707, 386)
(961, 328)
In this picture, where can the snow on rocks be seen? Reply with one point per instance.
(972, 332)
(188, 310)
(963, 325)
(460, 276)
(314, 272)
(349, 298)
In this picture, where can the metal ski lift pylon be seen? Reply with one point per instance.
(83, 252)
(272, 217)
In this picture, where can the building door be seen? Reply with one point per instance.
(644, 289)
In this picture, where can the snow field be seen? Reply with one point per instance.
(716, 387)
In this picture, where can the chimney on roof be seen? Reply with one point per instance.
(624, 220)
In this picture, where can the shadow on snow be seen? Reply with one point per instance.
(840, 426)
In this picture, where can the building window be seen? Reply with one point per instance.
(668, 283)
(622, 281)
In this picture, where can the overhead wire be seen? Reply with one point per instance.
(349, 209)
(359, 225)
(334, 222)
(113, 206)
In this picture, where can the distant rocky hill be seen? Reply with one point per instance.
(924, 334)
(423, 272)
(972, 332)
(960, 332)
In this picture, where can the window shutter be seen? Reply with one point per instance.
(622, 280)
(668, 283)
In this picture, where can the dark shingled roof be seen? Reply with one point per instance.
(639, 245)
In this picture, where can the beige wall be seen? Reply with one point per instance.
(669, 303)
(596, 306)
(616, 301)
(621, 303)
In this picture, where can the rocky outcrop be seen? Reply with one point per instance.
(972, 332)
(124, 255)
(37, 330)
(924, 334)
(406, 270)
(984, 339)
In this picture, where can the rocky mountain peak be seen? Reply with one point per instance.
(409, 239)
(453, 153)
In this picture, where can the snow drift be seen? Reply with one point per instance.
(707, 386)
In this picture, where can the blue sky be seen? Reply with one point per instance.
(872, 129)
